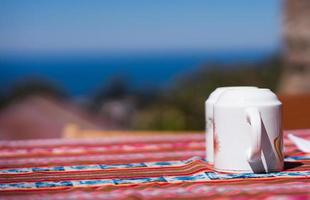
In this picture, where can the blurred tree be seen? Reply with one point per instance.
(182, 106)
(117, 88)
(33, 87)
(160, 117)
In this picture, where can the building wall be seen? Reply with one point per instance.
(296, 35)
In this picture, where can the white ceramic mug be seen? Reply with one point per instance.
(209, 104)
(247, 133)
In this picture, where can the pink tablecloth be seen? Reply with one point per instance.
(144, 167)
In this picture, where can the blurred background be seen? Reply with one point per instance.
(67, 66)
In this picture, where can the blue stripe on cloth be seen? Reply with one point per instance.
(97, 167)
(116, 166)
(200, 176)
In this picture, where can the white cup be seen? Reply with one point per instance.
(209, 104)
(247, 132)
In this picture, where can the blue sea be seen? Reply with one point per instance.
(84, 74)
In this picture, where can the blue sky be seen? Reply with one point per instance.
(70, 25)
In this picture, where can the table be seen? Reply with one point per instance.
(169, 166)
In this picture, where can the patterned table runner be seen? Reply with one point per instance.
(144, 167)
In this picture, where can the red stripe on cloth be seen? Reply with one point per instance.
(185, 170)
(99, 159)
(110, 149)
(101, 141)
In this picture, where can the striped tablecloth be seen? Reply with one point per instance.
(140, 167)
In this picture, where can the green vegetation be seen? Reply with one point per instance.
(31, 87)
(181, 107)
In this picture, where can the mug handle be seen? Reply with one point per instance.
(254, 119)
